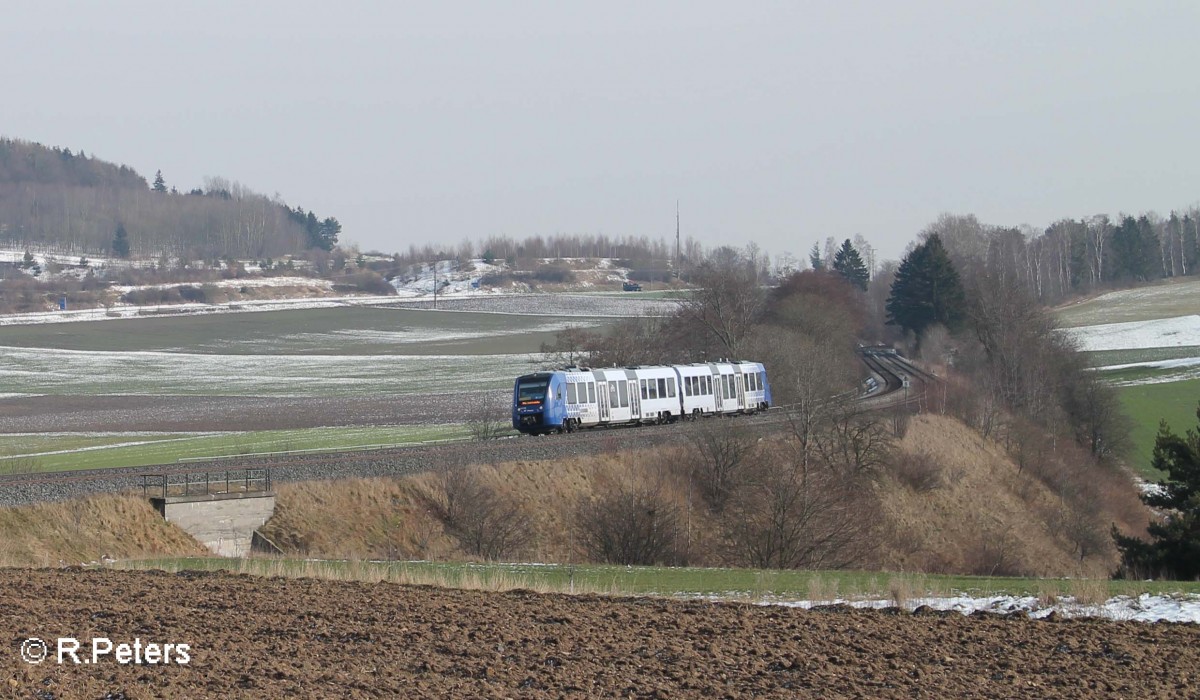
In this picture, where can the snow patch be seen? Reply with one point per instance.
(1180, 331)
(1143, 608)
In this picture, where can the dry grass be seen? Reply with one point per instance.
(490, 579)
(1089, 591)
(86, 529)
(987, 519)
(397, 518)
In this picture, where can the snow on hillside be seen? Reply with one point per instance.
(1161, 333)
(451, 280)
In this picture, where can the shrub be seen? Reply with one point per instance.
(919, 471)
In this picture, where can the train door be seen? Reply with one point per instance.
(602, 398)
(635, 399)
(741, 390)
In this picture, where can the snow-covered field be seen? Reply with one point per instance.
(1159, 333)
(1126, 339)
(41, 371)
(188, 309)
(1143, 608)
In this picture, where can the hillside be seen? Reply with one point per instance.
(971, 511)
(54, 199)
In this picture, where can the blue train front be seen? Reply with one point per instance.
(538, 405)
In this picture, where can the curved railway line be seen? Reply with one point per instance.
(19, 489)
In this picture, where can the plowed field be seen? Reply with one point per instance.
(255, 637)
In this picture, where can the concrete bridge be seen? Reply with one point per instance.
(222, 510)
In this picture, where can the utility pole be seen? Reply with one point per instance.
(435, 284)
(678, 258)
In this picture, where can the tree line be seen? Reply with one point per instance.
(1077, 256)
(53, 198)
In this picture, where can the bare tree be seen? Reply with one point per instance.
(717, 461)
(628, 524)
(489, 416)
(486, 523)
(792, 515)
(853, 441)
(727, 301)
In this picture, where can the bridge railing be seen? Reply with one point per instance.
(206, 483)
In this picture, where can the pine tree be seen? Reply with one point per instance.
(1174, 550)
(160, 185)
(927, 290)
(120, 244)
(814, 257)
(850, 265)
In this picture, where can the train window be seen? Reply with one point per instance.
(653, 385)
(728, 385)
(645, 394)
(671, 387)
(613, 399)
(708, 385)
(591, 392)
(623, 392)
(572, 396)
(762, 380)
(662, 388)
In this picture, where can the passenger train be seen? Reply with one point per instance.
(578, 397)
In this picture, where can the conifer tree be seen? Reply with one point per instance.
(1174, 549)
(160, 185)
(850, 265)
(814, 257)
(120, 244)
(927, 290)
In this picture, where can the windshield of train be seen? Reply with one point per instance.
(532, 389)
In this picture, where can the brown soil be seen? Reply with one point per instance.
(254, 637)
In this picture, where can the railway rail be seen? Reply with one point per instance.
(19, 489)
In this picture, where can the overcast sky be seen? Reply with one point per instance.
(779, 123)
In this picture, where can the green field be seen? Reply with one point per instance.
(115, 449)
(1147, 404)
(1106, 358)
(747, 584)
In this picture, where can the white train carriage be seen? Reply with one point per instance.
(599, 397)
(728, 389)
(658, 394)
(696, 381)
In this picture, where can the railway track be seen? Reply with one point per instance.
(19, 489)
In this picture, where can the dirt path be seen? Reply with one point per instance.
(254, 637)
